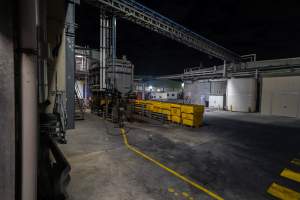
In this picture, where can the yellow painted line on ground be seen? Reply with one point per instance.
(283, 193)
(296, 161)
(185, 194)
(183, 178)
(171, 190)
(290, 174)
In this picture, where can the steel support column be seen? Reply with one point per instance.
(29, 22)
(224, 69)
(70, 64)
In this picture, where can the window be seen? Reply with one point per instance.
(173, 95)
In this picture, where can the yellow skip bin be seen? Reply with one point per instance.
(175, 110)
(176, 119)
(192, 123)
(191, 116)
(192, 108)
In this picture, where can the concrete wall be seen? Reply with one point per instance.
(7, 103)
(56, 43)
(281, 96)
(57, 74)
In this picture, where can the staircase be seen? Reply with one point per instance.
(54, 124)
(53, 168)
(60, 112)
(79, 104)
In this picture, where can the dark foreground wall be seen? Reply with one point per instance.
(7, 103)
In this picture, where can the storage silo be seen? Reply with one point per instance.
(120, 75)
(242, 94)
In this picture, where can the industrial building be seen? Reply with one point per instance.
(149, 88)
(82, 120)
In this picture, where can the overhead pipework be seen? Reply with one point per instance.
(143, 16)
(256, 69)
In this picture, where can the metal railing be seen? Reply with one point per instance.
(80, 102)
(288, 66)
(59, 109)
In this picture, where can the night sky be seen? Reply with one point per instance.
(271, 29)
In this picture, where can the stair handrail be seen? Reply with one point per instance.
(79, 97)
(60, 109)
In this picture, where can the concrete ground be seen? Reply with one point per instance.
(237, 156)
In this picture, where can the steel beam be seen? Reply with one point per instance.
(143, 16)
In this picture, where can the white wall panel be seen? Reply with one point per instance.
(216, 102)
(241, 94)
(281, 96)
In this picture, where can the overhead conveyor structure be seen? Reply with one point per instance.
(143, 16)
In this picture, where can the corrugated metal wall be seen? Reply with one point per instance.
(198, 92)
(218, 88)
(241, 94)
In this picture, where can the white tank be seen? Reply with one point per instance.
(241, 94)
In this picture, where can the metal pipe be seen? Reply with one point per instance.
(114, 47)
(225, 69)
(29, 126)
(102, 78)
(29, 23)
(251, 56)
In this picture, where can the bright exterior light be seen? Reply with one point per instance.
(182, 85)
(158, 90)
(150, 87)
